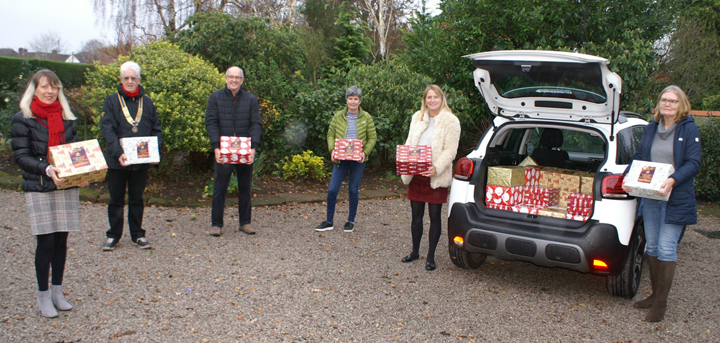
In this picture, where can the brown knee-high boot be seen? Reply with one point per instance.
(654, 269)
(665, 279)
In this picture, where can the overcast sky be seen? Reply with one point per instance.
(21, 21)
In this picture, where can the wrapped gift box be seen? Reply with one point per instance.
(506, 176)
(541, 197)
(523, 208)
(555, 212)
(348, 149)
(577, 217)
(504, 195)
(550, 177)
(79, 162)
(499, 207)
(235, 150)
(139, 150)
(532, 177)
(528, 162)
(586, 182)
(645, 179)
(413, 159)
(580, 204)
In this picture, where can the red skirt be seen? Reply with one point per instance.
(420, 190)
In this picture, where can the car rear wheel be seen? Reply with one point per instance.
(464, 259)
(626, 283)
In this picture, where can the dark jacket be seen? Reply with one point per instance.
(114, 125)
(30, 149)
(239, 117)
(681, 207)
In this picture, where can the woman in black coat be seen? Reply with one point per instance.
(45, 121)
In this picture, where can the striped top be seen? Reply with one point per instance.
(352, 126)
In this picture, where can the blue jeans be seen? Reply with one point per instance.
(662, 238)
(338, 174)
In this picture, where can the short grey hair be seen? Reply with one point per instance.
(242, 73)
(353, 90)
(130, 65)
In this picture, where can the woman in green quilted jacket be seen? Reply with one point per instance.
(349, 123)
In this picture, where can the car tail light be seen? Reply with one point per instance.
(612, 187)
(600, 265)
(464, 169)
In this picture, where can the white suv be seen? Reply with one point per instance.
(561, 109)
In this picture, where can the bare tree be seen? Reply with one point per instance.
(145, 20)
(384, 16)
(46, 43)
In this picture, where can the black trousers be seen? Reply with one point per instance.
(134, 182)
(223, 172)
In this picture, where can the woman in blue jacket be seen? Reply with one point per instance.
(672, 137)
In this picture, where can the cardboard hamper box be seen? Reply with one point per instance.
(348, 149)
(506, 176)
(235, 150)
(645, 179)
(140, 150)
(412, 159)
(79, 162)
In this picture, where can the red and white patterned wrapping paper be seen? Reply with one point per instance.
(580, 204)
(504, 195)
(529, 209)
(541, 197)
(348, 149)
(499, 206)
(79, 162)
(577, 217)
(140, 150)
(235, 150)
(532, 177)
(413, 159)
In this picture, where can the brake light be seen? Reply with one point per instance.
(464, 169)
(612, 187)
(459, 241)
(600, 265)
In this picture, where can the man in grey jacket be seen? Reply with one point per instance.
(233, 111)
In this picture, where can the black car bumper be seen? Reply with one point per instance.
(543, 241)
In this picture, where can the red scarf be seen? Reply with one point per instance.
(133, 94)
(52, 113)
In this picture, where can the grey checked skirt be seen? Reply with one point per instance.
(56, 211)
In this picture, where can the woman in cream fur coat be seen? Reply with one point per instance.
(434, 125)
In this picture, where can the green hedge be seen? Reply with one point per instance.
(706, 181)
(71, 74)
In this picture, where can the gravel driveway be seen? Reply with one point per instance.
(291, 284)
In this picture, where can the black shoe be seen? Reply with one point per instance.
(324, 226)
(410, 258)
(110, 244)
(349, 227)
(142, 243)
(430, 265)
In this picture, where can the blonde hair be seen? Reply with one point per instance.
(443, 103)
(683, 104)
(54, 81)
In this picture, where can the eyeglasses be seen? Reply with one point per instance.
(131, 78)
(233, 77)
(669, 101)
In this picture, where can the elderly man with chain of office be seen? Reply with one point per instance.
(233, 111)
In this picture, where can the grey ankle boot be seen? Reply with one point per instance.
(58, 298)
(46, 305)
